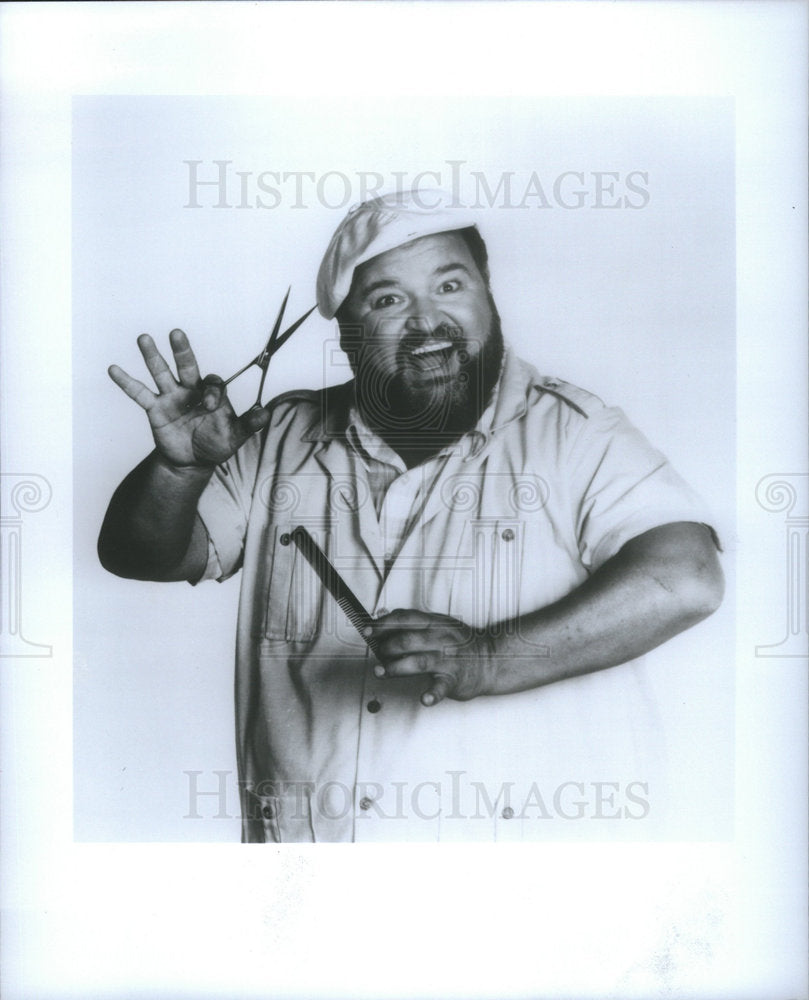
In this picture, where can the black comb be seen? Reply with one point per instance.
(334, 583)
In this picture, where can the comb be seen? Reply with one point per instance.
(334, 583)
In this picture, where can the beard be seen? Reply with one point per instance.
(418, 411)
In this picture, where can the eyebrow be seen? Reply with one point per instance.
(388, 282)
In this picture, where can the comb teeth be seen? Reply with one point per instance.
(357, 619)
(333, 582)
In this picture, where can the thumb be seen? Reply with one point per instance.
(441, 687)
(251, 421)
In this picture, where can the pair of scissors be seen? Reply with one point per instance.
(275, 341)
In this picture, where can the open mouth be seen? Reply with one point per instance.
(433, 358)
(436, 347)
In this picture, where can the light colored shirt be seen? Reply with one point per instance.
(548, 486)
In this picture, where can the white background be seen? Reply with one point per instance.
(721, 919)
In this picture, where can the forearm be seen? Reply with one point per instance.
(658, 585)
(149, 528)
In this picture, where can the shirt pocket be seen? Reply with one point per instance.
(487, 574)
(293, 593)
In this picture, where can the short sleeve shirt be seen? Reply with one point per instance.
(515, 515)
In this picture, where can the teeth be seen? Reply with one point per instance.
(442, 345)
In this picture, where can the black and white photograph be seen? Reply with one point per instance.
(404, 500)
(515, 547)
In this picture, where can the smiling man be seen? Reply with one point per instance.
(512, 537)
(427, 344)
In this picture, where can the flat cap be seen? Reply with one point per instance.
(379, 225)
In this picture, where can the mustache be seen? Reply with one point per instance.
(417, 338)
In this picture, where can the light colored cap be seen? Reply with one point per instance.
(379, 225)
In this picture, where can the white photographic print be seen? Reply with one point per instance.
(404, 500)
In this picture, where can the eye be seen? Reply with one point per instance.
(453, 285)
(384, 301)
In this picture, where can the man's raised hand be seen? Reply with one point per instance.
(192, 421)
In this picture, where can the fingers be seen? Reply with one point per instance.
(254, 419)
(422, 663)
(155, 362)
(442, 685)
(408, 666)
(403, 632)
(132, 387)
(248, 423)
(410, 618)
(187, 368)
(213, 393)
(410, 643)
(395, 642)
(414, 642)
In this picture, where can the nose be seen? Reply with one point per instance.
(419, 324)
(423, 317)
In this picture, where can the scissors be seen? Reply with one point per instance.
(276, 340)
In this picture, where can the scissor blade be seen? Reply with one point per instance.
(288, 333)
(241, 371)
(264, 369)
(266, 354)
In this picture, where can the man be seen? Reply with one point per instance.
(527, 536)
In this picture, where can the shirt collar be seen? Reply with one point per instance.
(368, 444)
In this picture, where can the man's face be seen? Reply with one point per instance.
(423, 336)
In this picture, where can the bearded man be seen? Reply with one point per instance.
(518, 544)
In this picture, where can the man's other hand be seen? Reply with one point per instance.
(459, 658)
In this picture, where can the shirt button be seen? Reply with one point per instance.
(508, 535)
(366, 803)
(268, 812)
(508, 813)
(374, 706)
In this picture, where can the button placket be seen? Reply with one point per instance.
(371, 707)
(506, 570)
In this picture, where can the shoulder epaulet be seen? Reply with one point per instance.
(294, 396)
(321, 410)
(298, 406)
(580, 400)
